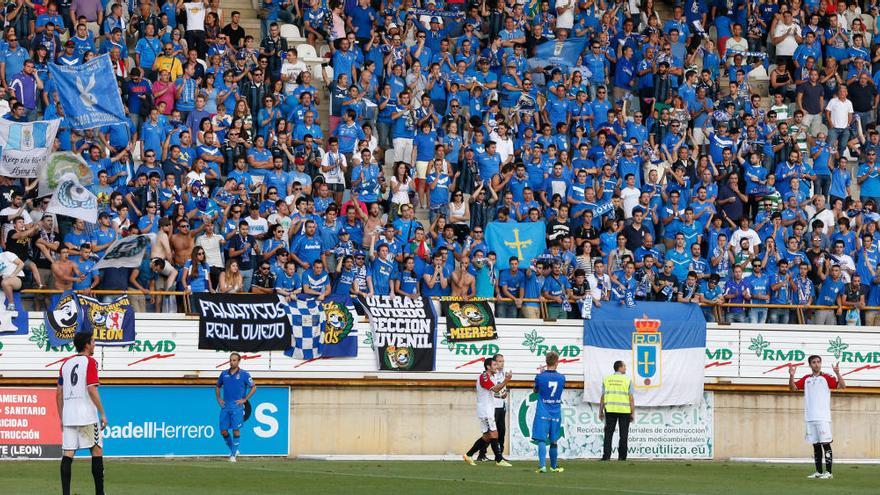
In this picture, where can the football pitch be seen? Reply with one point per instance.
(266, 476)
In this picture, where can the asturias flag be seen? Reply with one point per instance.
(523, 240)
(88, 93)
(663, 345)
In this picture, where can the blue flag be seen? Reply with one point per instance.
(88, 93)
(63, 317)
(112, 323)
(523, 240)
(13, 322)
(561, 53)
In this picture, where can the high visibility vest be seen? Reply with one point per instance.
(617, 393)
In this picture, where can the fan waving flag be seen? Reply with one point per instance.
(561, 53)
(305, 316)
(526, 241)
(88, 93)
(74, 200)
(25, 146)
(663, 345)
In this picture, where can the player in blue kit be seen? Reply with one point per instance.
(547, 426)
(234, 387)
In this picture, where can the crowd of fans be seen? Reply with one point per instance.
(655, 159)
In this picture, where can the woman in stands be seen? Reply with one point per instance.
(231, 281)
(197, 273)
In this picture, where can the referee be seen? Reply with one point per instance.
(616, 407)
(500, 408)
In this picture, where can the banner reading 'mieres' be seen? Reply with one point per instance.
(404, 331)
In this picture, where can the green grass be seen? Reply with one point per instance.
(280, 476)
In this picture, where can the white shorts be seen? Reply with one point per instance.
(818, 431)
(81, 437)
(487, 424)
(422, 170)
(403, 148)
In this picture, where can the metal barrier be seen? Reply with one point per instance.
(717, 309)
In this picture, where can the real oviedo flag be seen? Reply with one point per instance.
(88, 93)
(662, 344)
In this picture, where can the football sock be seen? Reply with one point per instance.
(480, 444)
(98, 474)
(542, 454)
(228, 440)
(496, 449)
(554, 455)
(829, 457)
(66, 463)
(236, 441)
(817, 456)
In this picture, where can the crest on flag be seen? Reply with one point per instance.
(58, 166)
(112, 323)
(74, 200)
(647, 348)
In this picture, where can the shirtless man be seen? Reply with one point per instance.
(162, 246)
(464, 284)
(64, 271)
(183, 241)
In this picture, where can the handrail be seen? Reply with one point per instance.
(799, 309)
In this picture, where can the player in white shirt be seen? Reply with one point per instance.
(817, 388)
(486, 389)
(79, 406)
(500, 406)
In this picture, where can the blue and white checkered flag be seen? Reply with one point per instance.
(305, 317)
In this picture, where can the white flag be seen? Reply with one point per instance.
(126, 252)
(73, 200)
(26, 146)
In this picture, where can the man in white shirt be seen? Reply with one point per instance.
(600, 283)
(291, 69)
(744, 232)
(786, 36)
(839, 112)
(195, 26)
(210, 242)
(565, 14)
(486, 390)
(503, 143)
(817, 388)
(80, 408)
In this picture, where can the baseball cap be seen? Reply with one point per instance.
(393, 26)
(70, 43)
(435, 19)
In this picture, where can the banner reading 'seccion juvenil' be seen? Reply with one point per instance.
(242, 322)
(404, 331)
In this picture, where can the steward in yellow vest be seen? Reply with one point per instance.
(616, 407)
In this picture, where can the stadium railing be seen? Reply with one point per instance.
(718, 310)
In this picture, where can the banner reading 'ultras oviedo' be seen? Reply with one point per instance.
(404, 331)
(242, 322)
(672, 432)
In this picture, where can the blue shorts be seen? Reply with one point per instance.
(546, 429)
(231, 418)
